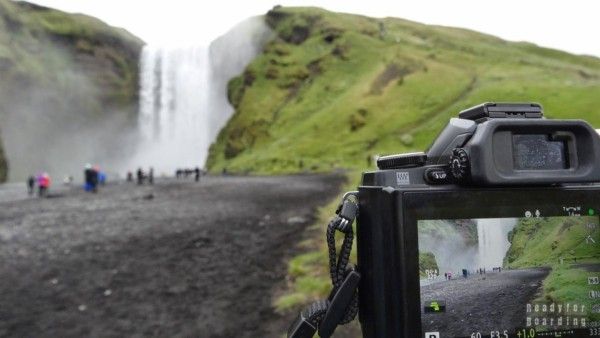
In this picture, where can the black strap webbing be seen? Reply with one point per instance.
(341, 306)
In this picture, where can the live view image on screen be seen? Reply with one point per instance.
(509, 277)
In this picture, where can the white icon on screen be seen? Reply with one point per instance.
(573, 211)
(432, 335)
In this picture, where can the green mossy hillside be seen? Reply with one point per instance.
(427, 263)
(566, 245)
(549, 241)
(332, 90)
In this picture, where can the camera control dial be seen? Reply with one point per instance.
(459, 164)
(402, 161)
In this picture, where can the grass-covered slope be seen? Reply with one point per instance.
(547, 241)
(36, 41)
(558, 243)
(332, 89)
(59, 74)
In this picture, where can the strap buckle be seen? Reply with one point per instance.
(301, 328)
(347, 210)
(339, 304)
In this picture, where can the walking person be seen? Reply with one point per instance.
(197, 174)
(43, 184)
(151, 176)
(30, 185)
(94, 179)
(88, 175)
(140, 176)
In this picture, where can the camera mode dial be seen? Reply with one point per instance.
(402, 161)
(459, 164)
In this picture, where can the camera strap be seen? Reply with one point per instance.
(341, 306)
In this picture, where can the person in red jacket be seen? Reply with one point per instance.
(43, 184)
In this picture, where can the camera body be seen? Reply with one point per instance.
(468, 239)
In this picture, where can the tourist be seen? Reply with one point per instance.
(140, 176)
(43, 184)
(88, 176)
(30, 184)
(100, 176)
(95, 179)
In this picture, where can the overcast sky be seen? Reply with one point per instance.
(571, 25)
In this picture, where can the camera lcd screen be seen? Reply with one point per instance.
(538, 152)
(519, 277)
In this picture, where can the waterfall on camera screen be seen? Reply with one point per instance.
(183, 96)
(492, 236)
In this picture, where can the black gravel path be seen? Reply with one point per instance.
(176, 259)
(476, 303)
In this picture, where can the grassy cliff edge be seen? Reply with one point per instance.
(331, 90)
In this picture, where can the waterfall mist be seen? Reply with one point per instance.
(455, 251)
(58, 128)
(451, 249)
(183, 96)
(58, 122)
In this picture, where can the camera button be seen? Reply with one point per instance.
(459, 164)
(437, 176)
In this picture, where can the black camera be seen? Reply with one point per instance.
(493, 232)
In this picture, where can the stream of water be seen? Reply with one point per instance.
(183, 96)
(492, 235)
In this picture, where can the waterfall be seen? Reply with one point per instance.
(174, 105)
(183, 96)
(492, 236)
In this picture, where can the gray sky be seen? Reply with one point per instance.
(568, 25)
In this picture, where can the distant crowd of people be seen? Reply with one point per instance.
(466, 273)
(185, 173)
(93, 177)
(141, 176)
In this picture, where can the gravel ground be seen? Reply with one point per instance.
(174, 259)
(476, 303)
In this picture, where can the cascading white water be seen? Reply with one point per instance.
(174, 105)
(492, 235)
(183, 96)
